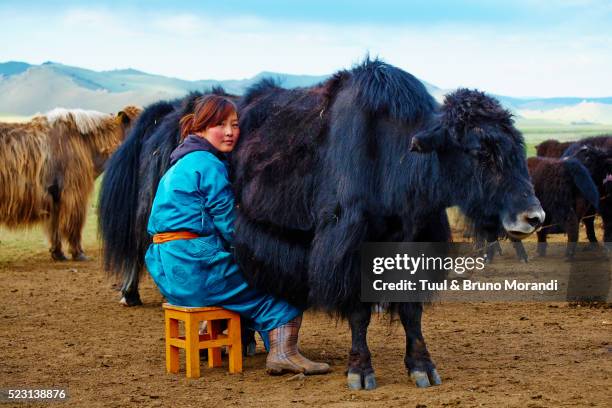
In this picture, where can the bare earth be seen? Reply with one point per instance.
(62, 327)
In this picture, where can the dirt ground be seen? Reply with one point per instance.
(62, 327)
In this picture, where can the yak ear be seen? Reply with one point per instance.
(123, 118)
(427, 140)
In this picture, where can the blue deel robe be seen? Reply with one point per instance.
(195, 195)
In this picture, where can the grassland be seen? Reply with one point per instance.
(536, 132)
(7, 117)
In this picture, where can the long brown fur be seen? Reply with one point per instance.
(48, 168)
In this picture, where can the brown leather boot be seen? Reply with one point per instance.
(284, 355)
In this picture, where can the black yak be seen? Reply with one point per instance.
(365, 156)
(595, 153)
(603, 142)
(554, 148)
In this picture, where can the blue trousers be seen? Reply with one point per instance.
(191, 273)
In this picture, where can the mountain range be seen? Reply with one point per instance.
(26, 89)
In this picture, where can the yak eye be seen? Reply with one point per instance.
(478, 153)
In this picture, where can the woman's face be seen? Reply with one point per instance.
(224, 135)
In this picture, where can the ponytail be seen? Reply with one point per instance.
(186, 123)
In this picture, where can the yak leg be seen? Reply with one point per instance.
(519, 248)
(53, 232)
(131, 275)
(129, 289)
(492, 246)
(589, 226)
(248, 342)
(52, 226)
(418, 362)
(541, 242)
(572, 227)
(71, 225)
(360, 373)
(606, 216)
(419, 365)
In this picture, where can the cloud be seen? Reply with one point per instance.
(540, 61)
(181, 25)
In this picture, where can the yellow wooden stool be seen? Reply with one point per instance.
(193, 342)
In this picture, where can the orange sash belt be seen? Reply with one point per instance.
(171, 236)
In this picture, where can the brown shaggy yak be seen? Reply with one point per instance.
(48, 167)
(552, 148)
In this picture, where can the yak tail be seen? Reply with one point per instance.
(582, 180)
(118, 201)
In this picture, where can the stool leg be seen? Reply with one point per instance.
(172, 352)
(214, 354)
(192, 352)
(235, 350)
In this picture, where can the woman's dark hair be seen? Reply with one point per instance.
(210, 110)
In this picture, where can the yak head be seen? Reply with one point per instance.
(482, 162)
(599, 163)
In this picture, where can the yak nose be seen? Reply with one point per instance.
(534, 217)
(534, 221)
(525, 223)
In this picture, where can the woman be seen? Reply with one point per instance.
(192, 223)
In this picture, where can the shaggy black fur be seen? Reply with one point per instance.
(321, 172)
(122, 237)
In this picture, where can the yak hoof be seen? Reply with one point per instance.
(424, 379)
(359, 381)
(369, 382)
(58, 256)
(128, 301)
(249, 350)
(354, 381)
(80, 257)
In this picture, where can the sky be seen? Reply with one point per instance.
(543, 48)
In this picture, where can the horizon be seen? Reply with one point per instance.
(299, 74)
(525, 49)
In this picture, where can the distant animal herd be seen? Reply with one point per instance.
(367, 155)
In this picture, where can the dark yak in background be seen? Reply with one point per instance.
(365, 156)
(552, 148)
(595, 153)
(562, 186)
(603, 142)
(566, 191)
